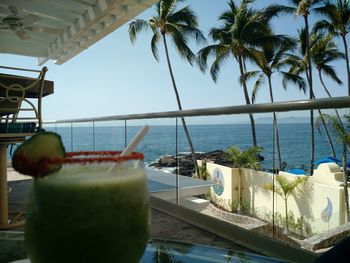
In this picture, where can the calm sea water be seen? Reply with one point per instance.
(161, 140)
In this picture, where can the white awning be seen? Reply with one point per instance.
(60, 29)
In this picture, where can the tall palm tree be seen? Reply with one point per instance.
(304, 7)
(299, 65)
(338, 24)
(240, 34)
(343, 134)
(244, 159)
(272, 60)
(179, 26)
(323, 52)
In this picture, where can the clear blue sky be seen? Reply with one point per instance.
(114, 77)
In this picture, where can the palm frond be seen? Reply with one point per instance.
(322, 26)
(154, 45)
(285, 187)
(288, 77)
(328, 10)
(303, 7)
(203, 55)
(244, 159)
(337, 127)
(228, 17)
(249, 75)
(180, 42)
(257, 85)
(192, 32)
(330, 72)
(135, 27)
(183, 16)
(166, 7)
(220, 59)
(276, 10)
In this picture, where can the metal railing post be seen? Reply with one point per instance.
(125, 135)
(93, 135)
(71, 136)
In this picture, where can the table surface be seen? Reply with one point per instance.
(7, 80)
(12, 250)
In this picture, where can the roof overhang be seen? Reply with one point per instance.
(82, 23)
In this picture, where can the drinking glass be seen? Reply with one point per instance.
(85, 213)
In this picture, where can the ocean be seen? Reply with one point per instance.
(161, 140)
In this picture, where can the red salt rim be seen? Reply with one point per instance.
(106, 156)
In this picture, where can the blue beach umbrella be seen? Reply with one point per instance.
(328, 159)
(296, 171)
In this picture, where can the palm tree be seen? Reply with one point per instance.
(338, 24)
(243, 159)
(284, 188)
(241, 32)
(343, 134)
(299, 65)
(303, 7)
(271, 60)
(323, 52)
(179, 26)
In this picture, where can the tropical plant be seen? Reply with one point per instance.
(298, 65)
(244, 159)
(284, 188)
(343, 134)
(241, 32)
(271, 60)
(303, 7)
(179, 26)
(337, 23)
(203, 172)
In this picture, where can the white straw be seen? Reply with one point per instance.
(132, 145)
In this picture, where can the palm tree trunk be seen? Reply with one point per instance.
(329, 95)
(309, 68)
(179, 105)
(327, 133)
(347, 61)
(345, 182)
(247, 100)
(276, 127)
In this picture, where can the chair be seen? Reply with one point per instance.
(19, 118)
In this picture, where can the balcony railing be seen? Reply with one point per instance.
(125, 129)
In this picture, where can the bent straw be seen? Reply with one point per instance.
(132, 145)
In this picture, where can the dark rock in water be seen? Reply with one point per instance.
(186, 166)
(167, 161)
(218, 157)
(260, 157)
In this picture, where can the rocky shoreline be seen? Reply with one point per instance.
(186, 166)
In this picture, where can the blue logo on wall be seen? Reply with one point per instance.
(218, 180)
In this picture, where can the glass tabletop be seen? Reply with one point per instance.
(161, 251)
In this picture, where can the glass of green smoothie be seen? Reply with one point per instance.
(86, 213)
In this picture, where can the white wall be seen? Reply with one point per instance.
(308, 203)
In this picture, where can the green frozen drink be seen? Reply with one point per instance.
(82, 213)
